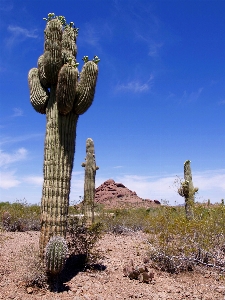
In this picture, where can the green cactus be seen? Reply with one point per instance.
(56, 255)
(187, 190)
(56, 91)
(89, 182)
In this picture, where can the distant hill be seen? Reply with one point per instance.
(117, 195)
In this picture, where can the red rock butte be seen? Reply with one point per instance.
(116, 195)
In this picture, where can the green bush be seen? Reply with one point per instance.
(21, 216)
(81, 239)
(177, 244)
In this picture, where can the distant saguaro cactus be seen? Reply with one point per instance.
(187, 190)
(56, 91)
(89, 181)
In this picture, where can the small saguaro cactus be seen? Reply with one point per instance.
(56, 254)
(56, 91)
(187, 190)
(89, 181)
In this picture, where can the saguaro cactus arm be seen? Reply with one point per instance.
(86, 87)
(39, 95)
(66, 88)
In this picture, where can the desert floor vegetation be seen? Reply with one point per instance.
(174, 245)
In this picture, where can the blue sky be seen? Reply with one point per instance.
(160, 95)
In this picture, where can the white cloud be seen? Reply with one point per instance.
(23, 32)
(17, 112)
(211, 179)
(154, 48)
(19, 34)
(34, 180)
(193, 96)
(7, 158)
(222, 102)
(211, 186)
(150, 187)
(136, 86)
(21, 138)
(91, 36)
(8, 180)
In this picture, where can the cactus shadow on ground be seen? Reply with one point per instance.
(74, 265)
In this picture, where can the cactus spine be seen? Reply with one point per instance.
(187, 190)
(89, 182)
(56, 254)
(56, 91)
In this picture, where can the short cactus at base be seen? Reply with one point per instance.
(187, 190)
(55, 255)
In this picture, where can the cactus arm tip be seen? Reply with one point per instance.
(86, 87)
(96, 59)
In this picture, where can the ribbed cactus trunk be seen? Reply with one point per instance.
(56, 91)
(58, 165)
(187, 190)
(89, 182)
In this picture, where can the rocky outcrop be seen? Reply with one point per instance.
(116, 195)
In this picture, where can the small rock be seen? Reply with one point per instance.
(30, 290)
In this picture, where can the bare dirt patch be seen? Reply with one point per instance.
(18, 249)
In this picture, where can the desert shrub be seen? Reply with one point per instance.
(35, 275)
(178, 244)
(124, 221)
(81, 239)
(21, 216)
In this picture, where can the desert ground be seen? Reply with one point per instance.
(18, 251)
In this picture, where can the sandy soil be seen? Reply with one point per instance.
(17, 251)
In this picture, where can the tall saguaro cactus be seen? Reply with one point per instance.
(89, 181)
(56, 90)
(187, 190)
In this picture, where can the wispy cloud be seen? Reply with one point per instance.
(193, 96)
(21, 138)
(8, 158)
(221, 102)
(8, 180)
(211, 184)
(91, 36)
(17, 112)
(6, 6)
(93, 33)
(210, 179)
(19, 34)
(153, 45)
(136, 86)
(34, 180)
(154, 48)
